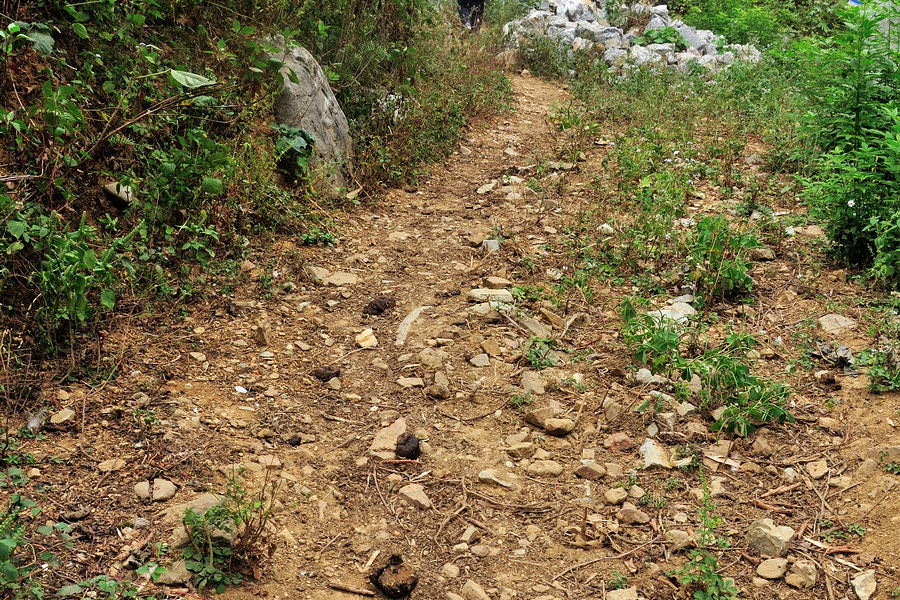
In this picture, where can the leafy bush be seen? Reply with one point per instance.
(717, 259)
(663, 35)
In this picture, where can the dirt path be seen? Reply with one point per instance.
(234, 386)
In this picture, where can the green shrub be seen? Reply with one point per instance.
(718, 259)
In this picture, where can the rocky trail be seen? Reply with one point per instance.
(534, 484)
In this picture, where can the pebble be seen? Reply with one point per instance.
(615, 496)
(817, 469)
(618, 441)
(384, 445)
(450, 571)
(366, 339)
(803, 574)
(654, 455)
(163, 489)
(864, 584)
(545, 468)
(521, 450)
(473, 591)
(767, 538)
(411, 382)
(488, 295)
(496, 283)
(629, 593)
(62, 416)
(532, 383)
(414, 494)
(480, 360)
(341, 279)
(493, 477)
(630, 515)
(113, 464)
(772, 568)
(590, 471)
(559, 427)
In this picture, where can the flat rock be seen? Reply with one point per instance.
(772, 568)
(618, 441)
(834, 324)
(438, 391)
(761, 254)
(864, 584)
(341, 279)
(532, 383)
(629, 593)
(384, 445)
(615, 496)
(316, 273)
(534, 326)
(414, 494)
(803, 575)
(590, 471)
(495, 283)
(62, 416)
(473, 591)
(480, 360)
(197, 356)
(494, 477)
(175, 574)
(545, 468)
(767, 538)
(163, 489)
(538, 416)
(411, 382)
(488, 295)
(654, 455)
(559, 427)
(521, 450)
(631, 515)
(113, 464)
(432, 357)
(366, 339)
(817, 469)
(142, 490)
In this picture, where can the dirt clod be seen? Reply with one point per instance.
(396, 579)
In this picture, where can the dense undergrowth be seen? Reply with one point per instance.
(171, 102)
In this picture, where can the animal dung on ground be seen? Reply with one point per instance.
(379, 305)
(326, 372)
(408, 446)
(395, 579)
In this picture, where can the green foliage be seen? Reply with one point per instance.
(521, 401)
(893, 468)
(539, 352)
(662, 35)
(293, 149)
(227, 534)
(316, 236)
(546, 57)
(852, 90)
(617, 581)
(739, 22)
(718, 259)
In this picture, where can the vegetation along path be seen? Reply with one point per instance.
(599, 351)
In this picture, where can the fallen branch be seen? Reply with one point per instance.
(781, 489)
(596, 560)
(349, 588)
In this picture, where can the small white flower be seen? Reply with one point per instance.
(275, 274)
(851, 203)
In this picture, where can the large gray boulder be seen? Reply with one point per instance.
(310, 104)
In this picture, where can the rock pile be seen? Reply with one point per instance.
(582, 25)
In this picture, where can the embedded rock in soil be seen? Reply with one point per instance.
(615, 496)
(384, 445)
(629, 593)
(767, 538)
(654, 455)
(864, 584)
(834, 324)
(521, 450)
(629, 514)
(480, 360)
(494, 477)
(396, 579)
(590, 471)
(438, 391)
(545, 468)
(486, 295)
(559, 427)
(618, 441)
(411, 382)
(366, 339)
(414, 494)
(62, 416)
(803, 575)
(531, 383)
(473, 591)
(113, 464)
(175, 574)
(817, 469)
(431, 357)
(773, 568)
(539, 416)
(496, 283)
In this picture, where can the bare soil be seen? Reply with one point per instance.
(183, 417)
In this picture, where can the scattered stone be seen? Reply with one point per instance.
(62, 416)
(481, 550)
(198, 356)
(864, 584)
(366, 339)
(473, 591)
(438, 391)
(682, 539)
(414, 494)
(590, 471)
(618, 441)
(496, 283)
(654, 455)
(334, 384)
(615, 496)
(384, 445)
(341, 279)
(493, 477)
(532, 383)
(269, 461)
(538, 416)
(767, 538)
(817, 469)
(326, 372)
(545, 468)
(761, 254)
(629, 593)
(175, 574)
(450, 571)
(316, 273)
(163, 490)
(408, 446)
(142, 490)
(832, 425)
(521, 450)
(396, 579)
(121, 195)
(470, 535)
(491, 348)
(772, 568)
(488, 295)
(803, 575)
(480, 360)
(379, 305)
(834, 324)
(411, 382)
(559, 427)
(113, 464)
(630, 515)
(432, 357)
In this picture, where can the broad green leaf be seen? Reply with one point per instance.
(9, 572)
(108, 298)
(41, 41)
(69, 590)
(190, 80)
(16, 228)
(212, 186)
(80, 30)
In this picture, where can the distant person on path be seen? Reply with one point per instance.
(471, 13)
